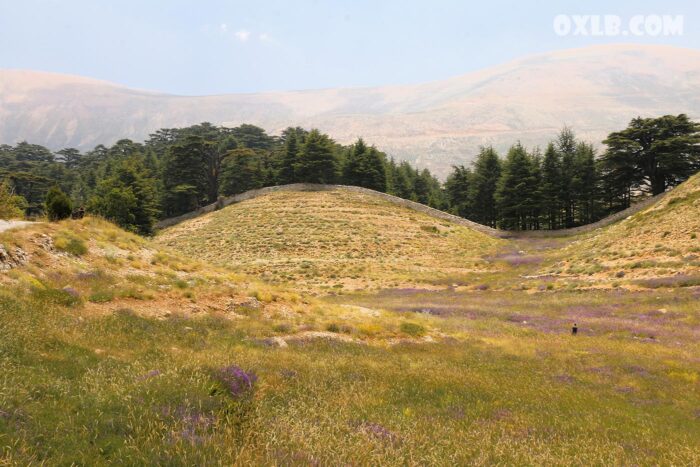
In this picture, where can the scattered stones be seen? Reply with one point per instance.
(377, 431)
(275, 341)
(71, 291)
(250, 303)
(12, 259)
(45, 242)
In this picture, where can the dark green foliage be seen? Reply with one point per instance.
(58, 205)
(482, 193)
(181, 169)
(128, 196)
(517, 193)
(290, 156)
(652, 154)
(185, 176)
(365, 166)
(242, 170)
(550, 188)
(317, 162)
(458, 191)
(566, 146)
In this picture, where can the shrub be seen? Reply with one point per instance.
(58, 205)
(56, 296)
(11, 205)
(102, 296)
(333, 327)
(412, 329)
(72, 245)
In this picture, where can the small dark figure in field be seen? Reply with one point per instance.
(574, 330)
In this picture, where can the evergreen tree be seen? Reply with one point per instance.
(58, 205)
(487, 172)
(516, 196)
(374, 170)
(458, 191)
(550, 188)
(290, 158)
(352, 171)
(653, 153)
(317, 162)
(585, 183)
(365, 166)
(566, 145)
(400, 180)
(128, 197)
(243, 170)
(186, 176)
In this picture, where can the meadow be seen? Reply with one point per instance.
(451, 348)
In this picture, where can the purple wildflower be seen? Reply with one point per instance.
(238, 382)
(378, 431)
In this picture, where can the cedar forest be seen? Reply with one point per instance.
(180, 169)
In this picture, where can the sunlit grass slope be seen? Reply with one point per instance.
(657, 247)
(116, 351)
(334, 240)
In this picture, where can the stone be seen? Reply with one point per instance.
(12, 259)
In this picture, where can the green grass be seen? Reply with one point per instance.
(131, 390)
(116, 356)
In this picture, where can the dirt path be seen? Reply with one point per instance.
(7, 225)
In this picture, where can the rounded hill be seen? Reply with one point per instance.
(337, 239)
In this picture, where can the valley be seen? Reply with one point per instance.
(358, 332)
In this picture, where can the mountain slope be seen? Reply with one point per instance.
(595, 90)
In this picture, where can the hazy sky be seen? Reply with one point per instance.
(212, 47)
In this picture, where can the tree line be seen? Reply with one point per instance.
(180, 169)
(177, 170)
(567, 185)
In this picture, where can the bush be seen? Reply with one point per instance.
(58, 205)
(412, 329)
(102, 296)
(72, 245)
(11, 205)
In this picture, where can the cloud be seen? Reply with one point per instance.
(264, 37)
(242, 35)
(223, 28)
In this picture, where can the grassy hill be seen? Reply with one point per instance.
(333, 240)
(657, 247)
(115, 349)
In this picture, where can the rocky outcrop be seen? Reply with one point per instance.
(12, 257)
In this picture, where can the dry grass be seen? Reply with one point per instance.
(112, 347)
(332, 241)
(661, 241)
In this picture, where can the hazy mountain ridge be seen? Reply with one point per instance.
(595, 90)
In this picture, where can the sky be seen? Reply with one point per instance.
(215, 47)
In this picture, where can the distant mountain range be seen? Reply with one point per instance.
(594, 90)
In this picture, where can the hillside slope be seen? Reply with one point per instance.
(661, 241)
(338, 240)
(116, 350)
(595, 90)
